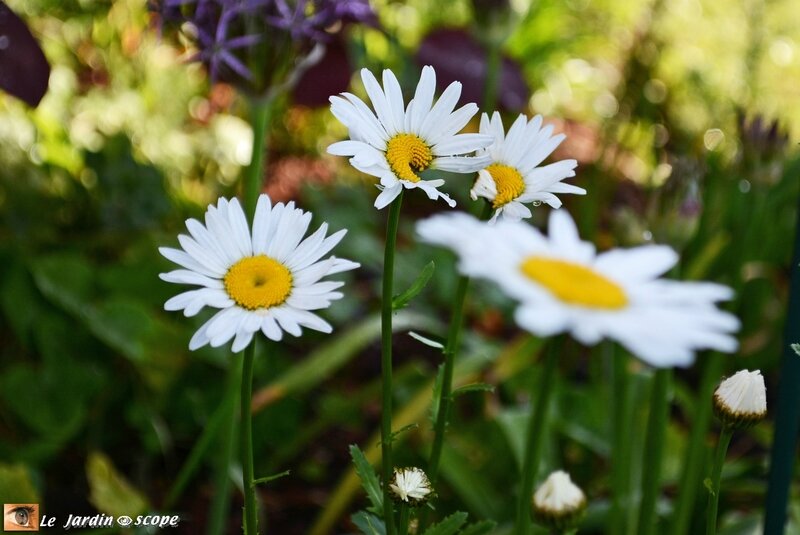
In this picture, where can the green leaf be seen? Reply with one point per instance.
(416, 287)
(110, 492)
(437, 393)
(368, 524)
(709, 485)
(369, 480)
(448, 526)
(479, 528)
(474, 387)
(273, 477)
(430, 342)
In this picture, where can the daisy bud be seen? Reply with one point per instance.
(411, 485)
(740, 401)
(558, 503)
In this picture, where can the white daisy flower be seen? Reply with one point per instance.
(267, 280)
(400, 142)
(514, 177)
(410, 485)
(562, 284)
(558, 503)
(740, 401)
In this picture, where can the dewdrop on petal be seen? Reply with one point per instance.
(740, 401)
(558, 503)
(410, 485)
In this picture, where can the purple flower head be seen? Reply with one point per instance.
(254, 44)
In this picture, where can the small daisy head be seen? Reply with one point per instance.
(563, 285)
(267, 280)
(397, 142)
(558, 503)
(740, 401)
(411, 486)
(514, 178)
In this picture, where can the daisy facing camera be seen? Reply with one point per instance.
(267, 280)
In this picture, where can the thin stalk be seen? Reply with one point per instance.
(654, 451)
(696, 450)
(246, 442)
(540, 391)
(253, 177)
(451, 347)
(493, 60)
(386, 359)
(404, 514)
(713, 496)
(620, 446)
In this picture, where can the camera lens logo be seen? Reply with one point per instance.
(21, 517)
(124, 521)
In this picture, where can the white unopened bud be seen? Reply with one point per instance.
(410, 485)
(558, 503)
(740, 401)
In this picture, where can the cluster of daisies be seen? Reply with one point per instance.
(269, 277)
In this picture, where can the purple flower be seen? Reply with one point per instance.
(249, 42)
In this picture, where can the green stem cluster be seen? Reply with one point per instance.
(540, 391)
(386, 359)
(620, 445)
(654, 450)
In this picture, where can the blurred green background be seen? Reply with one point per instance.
(683, 116)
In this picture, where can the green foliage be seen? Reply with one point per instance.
(110, 492)
(369, 479)
(448, 526)
(402, 300)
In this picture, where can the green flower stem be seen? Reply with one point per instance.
(386, 359)
(493, 63)
(696, 450)
(654, 450)
(451, 347)
(540, 391)
(404, 514)
(253, 177)
(713, 496)
(246, 442)
(620, 445)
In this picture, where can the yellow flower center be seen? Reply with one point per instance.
(407, 155)
(258, 282)
(509, 184)
(574, 284)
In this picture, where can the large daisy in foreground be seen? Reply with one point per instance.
(514, 178)
(396, 143)
(267, 280)
(563, 285)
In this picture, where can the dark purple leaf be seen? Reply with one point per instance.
(24, 71)
(330, 76)
(456, 56)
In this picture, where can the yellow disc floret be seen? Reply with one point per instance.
(407, 155)
(508, 182)
(258, 282)
(574, 284)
